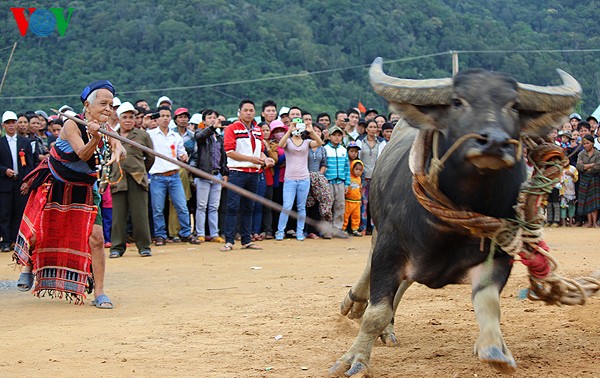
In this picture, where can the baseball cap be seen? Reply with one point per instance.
(352, 144)
(41, 113)
(284, 110)
(180, 111)
(64, 108)
(387, 126)
(8, 115)
(163, 99)
(333, 129)
(371, 111)
(576, 116)
(196, 118)
(116, 102)
(125, 107)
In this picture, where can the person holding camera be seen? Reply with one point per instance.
(211, 158)
(297, 178)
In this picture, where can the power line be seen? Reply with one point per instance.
(303, 74)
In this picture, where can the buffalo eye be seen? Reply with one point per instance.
(457, 103)
(515, 107)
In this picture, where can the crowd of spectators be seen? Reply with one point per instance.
(575, 200)
(317, 165)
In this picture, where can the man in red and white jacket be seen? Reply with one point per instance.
(245, 157)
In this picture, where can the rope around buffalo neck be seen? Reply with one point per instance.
(522, 237)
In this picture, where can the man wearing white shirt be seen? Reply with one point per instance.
(16, 161)
(165, 179)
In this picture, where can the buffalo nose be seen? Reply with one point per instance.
(494, 140)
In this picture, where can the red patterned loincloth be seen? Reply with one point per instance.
(61, 257)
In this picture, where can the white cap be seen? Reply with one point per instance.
(284, 110)
(125, 107)
(8, 115)
(196, 118)
(69, 112)
(163, 99)
(64, 108)
(116, 101)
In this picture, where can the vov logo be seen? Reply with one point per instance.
(42, 22)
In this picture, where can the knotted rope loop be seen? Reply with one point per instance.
(520, 237)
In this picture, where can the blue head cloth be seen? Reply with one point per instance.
(98, 84)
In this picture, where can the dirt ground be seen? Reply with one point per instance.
(195, 311)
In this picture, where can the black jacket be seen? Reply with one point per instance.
(206, 144)
(6, 162)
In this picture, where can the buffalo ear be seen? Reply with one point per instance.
(421, 116)
(540, 124)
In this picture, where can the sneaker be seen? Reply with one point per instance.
(279, 235)
(217, 239)
(300, 236)
(357, 233)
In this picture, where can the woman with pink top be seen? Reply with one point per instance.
(297, 178)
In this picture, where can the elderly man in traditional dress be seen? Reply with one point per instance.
(60, 239)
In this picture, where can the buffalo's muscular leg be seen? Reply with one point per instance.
(355, 302)
(388, 336)
(488, 279)
(384, 286)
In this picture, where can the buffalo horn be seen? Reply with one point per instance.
(550, 98)
(407, 91)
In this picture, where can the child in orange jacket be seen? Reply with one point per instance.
(353, 197)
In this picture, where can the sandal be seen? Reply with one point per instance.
(114, 255)
(25, 281)
(251, 246)
(227, 247)
(102, 301)
(160, 241)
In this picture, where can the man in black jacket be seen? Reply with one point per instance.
(16, 161)
(210, 158)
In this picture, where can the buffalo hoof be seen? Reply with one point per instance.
(353, 307)
(388, 336)
(497, 359)
(343, 369)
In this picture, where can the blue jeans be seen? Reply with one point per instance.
(240, 206)
(257, 214)
(161, 185)
(294, 189)
(208, 196)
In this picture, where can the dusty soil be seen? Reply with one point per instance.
(194, 311)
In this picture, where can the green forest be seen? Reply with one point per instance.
(309, 53)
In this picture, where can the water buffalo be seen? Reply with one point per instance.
(483, 174)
